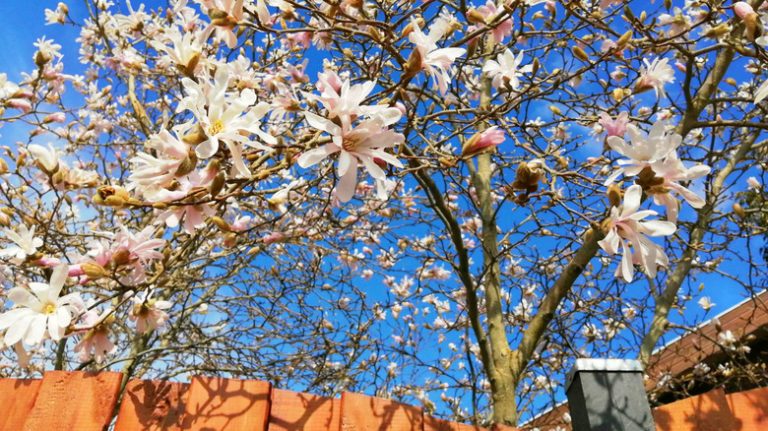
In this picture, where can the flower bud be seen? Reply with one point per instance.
(121, 257)
(482, 142)
(217, 184)
(93, 270)
(739, 211)
(614, 195)
(56, 117)
(188, 165)
(111, 196)
(220, 223)
(579, 53)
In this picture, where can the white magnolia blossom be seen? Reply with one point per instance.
(643, 149)
(363, 143)
(46, 158)
(626, 227)
(25, 243)
(436, 61)
(506, 69)
(653, 157)
(160, 169)
(655, 75)
(40, 312)
(672, 171)
(225, 117)
(149, 313)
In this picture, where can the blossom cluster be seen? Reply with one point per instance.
(653, 161)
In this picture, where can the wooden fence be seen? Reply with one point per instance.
(712, 411)
(715, 411)
(81, 401)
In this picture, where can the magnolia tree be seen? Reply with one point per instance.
(435, 201)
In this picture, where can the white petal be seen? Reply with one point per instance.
(346, 160)
(315, 156)
(321, 123)
(21, 296)
(761, 93)
(12, 316)
(627, 271)
(19, 328)
(63, 316)
(55, 331)
(631, 200)
(208, 148)
(58, 278)
(36, 330)
(345, 189)
(657, 228)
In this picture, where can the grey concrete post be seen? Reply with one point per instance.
(608, 395)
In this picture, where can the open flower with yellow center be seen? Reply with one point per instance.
(225, 117)
(627, 225)
(40, 312)
(365, 143)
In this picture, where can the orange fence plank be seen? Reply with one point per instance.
(363, 413)
(74, 401)
(705, 412)
(152, 405)
(17, 397)
(222, 404)
(435, 424)
(295, 411)
(750, 408)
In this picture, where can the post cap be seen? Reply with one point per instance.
(602, 364)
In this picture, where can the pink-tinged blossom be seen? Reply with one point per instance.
(655, 75)
(193, 216)
(94, 342)
(614, 126)
(436, 61)
(224, 14)
(344, 100)
(40, 312)
(625, 226)
(678, 23)
(644, 149)
(130, 251)
(142, 247)
(149, 313)
(672, 171)
(743, 9)
(505, 71)
(273, 237)
(160, 169)
(483, 141)
(489, 12)
(362, 143)
(22, 105)
(25, 243)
